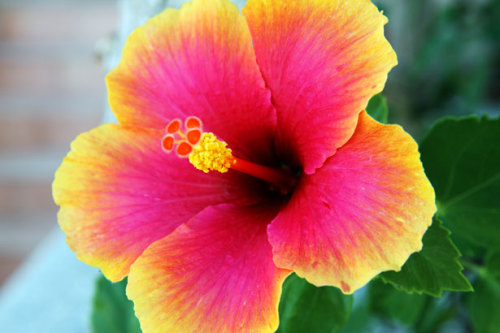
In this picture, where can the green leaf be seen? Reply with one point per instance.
(361, 318)
(112, 312)
(461, 157)
(493, 265)
(306, 308)
(394, 304)
(377, 108)
(437, 312)
(420, 313)
(484, 304)
(434, 269)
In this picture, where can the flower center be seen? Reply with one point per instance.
(207, 153)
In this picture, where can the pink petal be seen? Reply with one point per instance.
(322, 61)
(199, 61)
(119, 192)
(365, 211)
(213, 274)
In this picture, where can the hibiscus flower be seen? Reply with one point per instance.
(309, 183)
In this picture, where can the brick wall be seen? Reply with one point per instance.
(51, 89)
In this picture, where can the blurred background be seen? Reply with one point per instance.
(51, 89)
(449, 60)
(54, 55)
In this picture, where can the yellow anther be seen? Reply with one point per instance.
(211, 153)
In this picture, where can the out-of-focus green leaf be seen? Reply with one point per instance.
(306, 308)
(360, 320)
(484, 306)
(434, 269)
(461, 157)
(437, 312)
(377, 108)
(390, 303)
(493, 265)
(112, 312)
(484, 303)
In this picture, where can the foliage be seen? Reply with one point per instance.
(432, 270)
(306, 308)
(484, 305)
(377, 108)
(449, 59)
(462, 160)
(112, 312)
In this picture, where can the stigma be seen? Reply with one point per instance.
(208, 153)
(203, 149)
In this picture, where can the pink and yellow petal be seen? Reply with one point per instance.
(365, 211)
(322, 61)
(213, 274)
(119, 193)
(199, 61)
